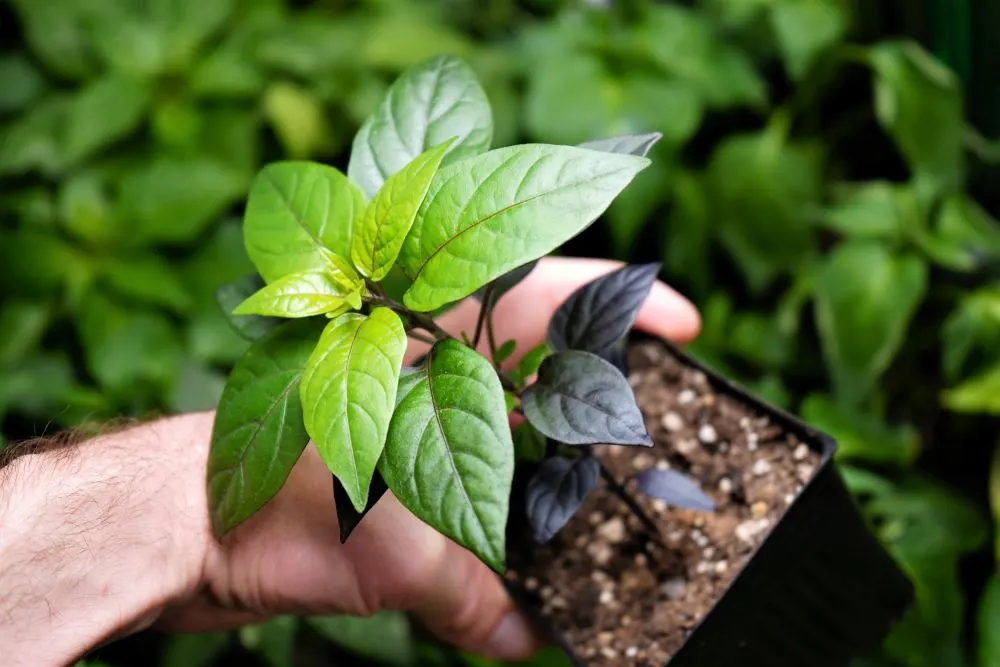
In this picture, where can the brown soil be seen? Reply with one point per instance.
(616, 597)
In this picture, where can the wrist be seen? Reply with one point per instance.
(98, 537)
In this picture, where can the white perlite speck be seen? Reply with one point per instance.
(707, 434)
(686, 396)
(761, 467)
(748, 530)
(674, 588)
(801, 453)
(672, 421)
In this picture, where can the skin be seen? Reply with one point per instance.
(109, 536)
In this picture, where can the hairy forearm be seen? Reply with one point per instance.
(95, 539)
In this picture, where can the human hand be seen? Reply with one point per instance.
(151, 555)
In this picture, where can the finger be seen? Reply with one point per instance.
(465, 604)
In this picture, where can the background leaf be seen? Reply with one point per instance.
(449, 457)
(580, 399)
(556, 491)
(259, 433)
(385, 637)
(427, 106)
(230, 295)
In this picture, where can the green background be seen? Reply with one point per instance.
(824, 193)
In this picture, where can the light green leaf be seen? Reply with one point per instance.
(258, 433)
(385, 637)
(449, 457)
(105, 111)
(919, 103)
(22, 323)
(428, 105)
(388, 218)
(295, 210)
(302, 295)
(500, 210)
(861, 435)
(964, 236)
(297, 118)
(349, 391)
(86, 209)
(875, 210)
(569, 99)
(980, 393)
(865, 299)
(804, 29)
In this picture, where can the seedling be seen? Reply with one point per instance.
(428, 215)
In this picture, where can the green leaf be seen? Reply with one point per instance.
(861, 436)
(569, 98)
(875, 210)
(529, 444)
(483, 217)
(989, 621)
(22, 323)
(385, 637)
(231, 295)
(197, 387)
(58, 34)
(298, 119)
(532, 360)
(971, 334)
(105, 111)
(387, 220)
(86, 209)
(20, 83)
(258, 433)
(34, 140)
(504, 351)
(865, 299)
(302, 295)
(295, 210)
(805, 29)
(274, 640)
(978, 394)
(964, 238)
(174, 199)
(194, 650)
(428, 105)
(349, 391)
(762, 191)
(449, 457)
(149, 280)
(919, 103)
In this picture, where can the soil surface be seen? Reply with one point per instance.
(619, 598)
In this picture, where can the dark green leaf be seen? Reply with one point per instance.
(919, 102)
(197, 387)
(626, 144)
(480, 218)
(273, 640)
(34, 140)
(599, 314)
(964, 237)
(989, 621)
(22, 323)
(425, 107)
(556, 491)
(349, 391)
(58, 34)
(805, 29)
(674, 489)
(971, 334)
(385, 637)
(567, 98)
(581, 399)
(230, 295)
(86, 209)
(531, 361)
(295, 210)
(304, 295)
(105, 111)
(194, 650)
(348, 518)
(762, 192)
(259, 433)
(865, 299)
(148, 280)
(876, 210)
(20, 83)
(380, 232)
(449, 456)
(504, 351)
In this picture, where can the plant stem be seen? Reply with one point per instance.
(631, 503)
(489, 336)
(484, 315)
(416, 335)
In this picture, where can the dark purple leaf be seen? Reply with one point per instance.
(674, 489)
(581, 399)
(599, 314)
(506, 282)
(557, 491)
(347, 516)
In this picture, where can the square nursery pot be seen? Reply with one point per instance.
(799, 581)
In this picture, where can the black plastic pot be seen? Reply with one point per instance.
(820, 591)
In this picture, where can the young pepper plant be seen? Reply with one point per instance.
(424, 197)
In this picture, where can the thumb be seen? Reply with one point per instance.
(465, 604)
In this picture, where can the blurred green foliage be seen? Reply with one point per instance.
(810, 195)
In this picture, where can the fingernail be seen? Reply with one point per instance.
(513, 638)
